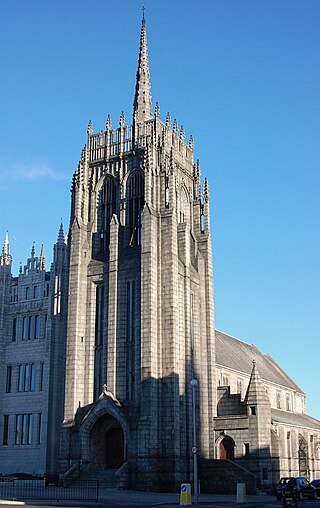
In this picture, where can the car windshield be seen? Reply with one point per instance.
(287, 481)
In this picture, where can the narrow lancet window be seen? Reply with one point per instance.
(135, 196)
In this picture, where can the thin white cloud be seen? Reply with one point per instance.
(29, 172)
(34, 172)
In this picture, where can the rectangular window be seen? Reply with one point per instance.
(29, 429)
(18, 429)
(39, 428)
(41, 375)
(30, 327)
(57, 295)
(21, 378)
(27, 293)
(27, 378)
(5, 430)
(32, 377)
(253, 410)
(24, 429)
(35, 292)
(14, 329)
(8, 378)
(246, 448)
(24, 328)
(36, 327)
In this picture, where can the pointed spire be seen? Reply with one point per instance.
(61, 236)
(206, 194)
(256, 392)
(175, 126)
(5, 257)
(142, 108)
(182, 133)
(6, 250)
(122, 119)
(168, 120)
(157, 110)
(42, 259)
(191, 142)
(89, 129)
(32, 251)
(108, 123)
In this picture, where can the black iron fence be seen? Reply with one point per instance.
(37, 489)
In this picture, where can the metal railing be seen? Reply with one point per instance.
(14, 490)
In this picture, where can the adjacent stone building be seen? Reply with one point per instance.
(97, 355)
(32, 344)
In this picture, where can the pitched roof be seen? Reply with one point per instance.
(300, 420)
(237, 355)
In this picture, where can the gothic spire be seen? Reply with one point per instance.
(5, 256)
(142, 107)
(61, 236)
(6, 251)
(42, 259)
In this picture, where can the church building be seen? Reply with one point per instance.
(98, 353)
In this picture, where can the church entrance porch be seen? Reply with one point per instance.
(106, 444)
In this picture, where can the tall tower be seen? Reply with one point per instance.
(140, 309)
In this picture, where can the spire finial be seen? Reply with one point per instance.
(142, 108)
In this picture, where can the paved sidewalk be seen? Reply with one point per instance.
(167, 499)
(132, 498)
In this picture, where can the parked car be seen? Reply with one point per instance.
(295, 487)
(316, 484)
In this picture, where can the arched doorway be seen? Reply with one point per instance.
(107, 447)
(114, 447)
(227, 449)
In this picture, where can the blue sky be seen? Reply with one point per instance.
(243, 77)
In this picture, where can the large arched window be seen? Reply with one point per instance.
(184, 207)
(107, 207)
(135, 202)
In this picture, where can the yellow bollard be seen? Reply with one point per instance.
(185, 495)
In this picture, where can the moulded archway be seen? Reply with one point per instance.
(226, 448)
(106, 443)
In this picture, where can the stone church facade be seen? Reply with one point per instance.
(97, 355)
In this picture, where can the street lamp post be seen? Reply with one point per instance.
(194, 384)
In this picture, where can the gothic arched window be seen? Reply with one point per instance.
(135, 202)
(107, 207)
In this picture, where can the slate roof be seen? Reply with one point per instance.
(237, 355)
(299, 420)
